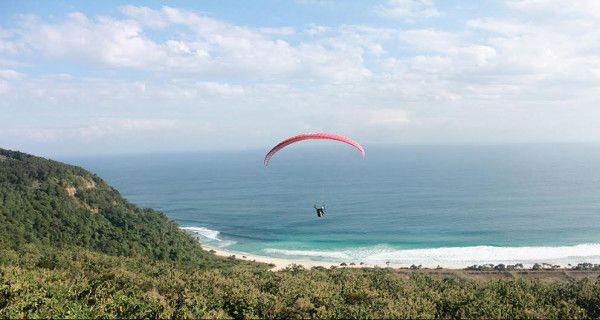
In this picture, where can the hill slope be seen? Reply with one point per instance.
(45, 202)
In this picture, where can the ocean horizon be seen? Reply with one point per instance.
(451, 206)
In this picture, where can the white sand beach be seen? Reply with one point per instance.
(280, 263)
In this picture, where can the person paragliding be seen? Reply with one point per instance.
(313, 136)
(320, 210)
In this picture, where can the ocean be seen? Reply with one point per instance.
(452, 206)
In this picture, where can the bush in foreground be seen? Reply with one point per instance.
(58, 283)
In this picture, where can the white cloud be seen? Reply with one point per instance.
(11, 63)
(564, 49)
(501, 26)
(281, 31)
(578, 7)
(494, 57)
(422, 84)
(207, 46)
(388, 117)
(3, 87)
(222, 89)
(10, 74)
(7, 43)
(105, 40)
(145, 16)
(314, 29)
(93, 130)
(104, 127)
(409, 9)
(431, 40)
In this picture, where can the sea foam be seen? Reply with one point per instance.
(209, 236)
(452, 256)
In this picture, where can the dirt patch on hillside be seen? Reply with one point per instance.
(71, 191)
(89, 184)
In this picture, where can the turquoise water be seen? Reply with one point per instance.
(446, 205)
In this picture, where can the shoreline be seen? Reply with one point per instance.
(481, 257)
(282, 263)
(476, 257)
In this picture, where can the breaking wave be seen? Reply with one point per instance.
(208, 236)
(451, 256)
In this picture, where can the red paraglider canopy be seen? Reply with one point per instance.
(307, 136)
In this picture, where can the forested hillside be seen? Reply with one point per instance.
(71, 247)
(49, 203)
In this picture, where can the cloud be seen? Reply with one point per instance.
(281, 31)
(577, 7)
(10, 74)
(409, 9)
(431, 40)
(223, 89)
(425, 83)
(3, 87)
(145, 16)
(105, 127)
(202, 44)
(106, 40)
(490, 59)
(500, 26)
(388, 117)
(7, 43)
(563, 49)
(314, 30)
(93, 130)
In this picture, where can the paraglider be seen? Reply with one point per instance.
(312, 136)
(320, 210)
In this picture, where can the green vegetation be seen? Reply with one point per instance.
(48, 203)
(71, 247)
(59, 283)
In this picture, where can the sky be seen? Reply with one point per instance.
(107, 77)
